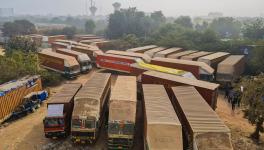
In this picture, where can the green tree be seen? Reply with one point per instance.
(20, 43)
(68, 31)
(253, 99)
(184, 21)
(90, 26)
(226, 27)
(18, 27)
(254, 30)
(202, 27)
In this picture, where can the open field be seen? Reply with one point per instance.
(27, 133)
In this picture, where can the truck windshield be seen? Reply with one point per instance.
(126, 129)
(90, 124)
(76, 123)
(53, 122)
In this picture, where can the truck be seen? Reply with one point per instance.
(214, 59)
(181, 54)
(200, 70)
(86, 50)
(195, 56)
(143, 57)
(153, 51)
(66, 65)
(230, 69)
(83, 59)
(163, 129)
(122, 113)
(90, 107)
(57, 122)
(169, 51)
(13, 92)
(142, 49)
(202, 127)
(53, 38)
(208, 90)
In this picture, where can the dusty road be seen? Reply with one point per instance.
(27, 133)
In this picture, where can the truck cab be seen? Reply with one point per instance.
(55, 123)
(84, 130)
(85, 64)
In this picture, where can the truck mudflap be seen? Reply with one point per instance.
(120, 143)
(57, 134)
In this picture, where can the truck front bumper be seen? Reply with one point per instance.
(58, 134)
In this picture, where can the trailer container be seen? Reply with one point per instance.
(169, 51)
(181, 54)
(200, 70)
(90, 106)
(214, 59)
(196, 56)
(208, 90)
(52, 39)
(91, 41)
(83, 59)
(141, 49)
(114, 62)
(13, 92)
(231, 68)
(122, 113)
(73, 43)
(66, 65)
(79, 38)
(163, 130)
(57, 122)
(153, 51)
(143, 57)
(201, 124)
(86, 50)
(140, 67)
(57, 45)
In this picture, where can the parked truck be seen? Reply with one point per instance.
(66, 65)
(163, 129)
(12, 94)
(200, 70)
(195, 56)
(57, 122)
(83, 59)
(181, 54)
(214, 59)
(203, 129)
(86, 50)
(122, 113)
(153, 51)
(141, 49)
(230, 69)
(208, 90)
(169, 51)
(90, 106)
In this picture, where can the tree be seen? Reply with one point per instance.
(202, 27)
(253, 99)
(132, 21)
(254, 30)
(20, 43)
(184, 21)
(226, 27)
(116, 6)
(18, 27)
(68, 31)
(89, 26)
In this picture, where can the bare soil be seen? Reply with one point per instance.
(27, 133)
(239, 126)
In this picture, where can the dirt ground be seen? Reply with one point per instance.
(27, 133)
(239, 126)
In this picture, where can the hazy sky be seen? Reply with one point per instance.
(169, 7)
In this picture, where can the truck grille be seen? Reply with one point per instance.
(87, 134)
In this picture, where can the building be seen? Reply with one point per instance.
(6, 12)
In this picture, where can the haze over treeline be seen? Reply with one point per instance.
(250, 8)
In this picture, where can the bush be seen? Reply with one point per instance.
(50, 78)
